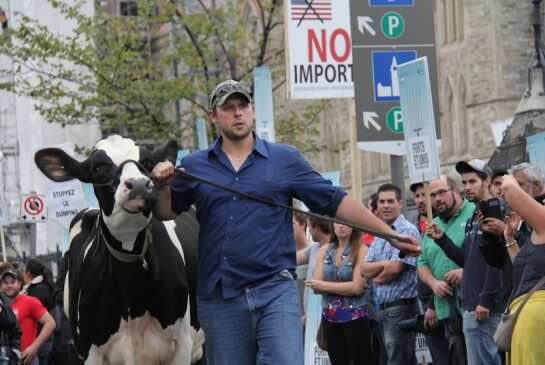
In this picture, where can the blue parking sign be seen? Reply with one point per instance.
(391, 2)
(385, 79)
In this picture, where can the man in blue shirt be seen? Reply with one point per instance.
(247, 298)
(396, 283)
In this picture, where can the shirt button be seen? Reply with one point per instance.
(236, 178)
(225, 259)
(231, 218)
(234, 198)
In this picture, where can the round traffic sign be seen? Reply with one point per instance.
(392, 25)
(394, 121)
(33, 205)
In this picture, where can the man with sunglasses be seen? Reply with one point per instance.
(247, 297)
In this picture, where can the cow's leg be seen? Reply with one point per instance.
(189, 342)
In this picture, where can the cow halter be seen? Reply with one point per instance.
(129, 258)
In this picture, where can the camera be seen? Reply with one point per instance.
(415, 324)
(492, 209)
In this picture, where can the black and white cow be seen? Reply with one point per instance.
(126, 290)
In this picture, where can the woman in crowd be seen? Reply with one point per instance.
(346, 302)
(528, 343)
(39, 284)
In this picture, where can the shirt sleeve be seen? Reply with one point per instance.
(182, 192)
(409, 230)
(307, 185)
(37, 309)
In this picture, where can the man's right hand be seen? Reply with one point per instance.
(441, 289)
(434, 232)
(430, 319)
(163, 174)
(407, 245)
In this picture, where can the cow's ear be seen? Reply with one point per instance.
(167, 151)
(57, 164)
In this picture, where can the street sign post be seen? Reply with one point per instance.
(385, 34)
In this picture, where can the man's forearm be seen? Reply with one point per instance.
(47, 330)
(426, 276)
(354, 212)
(163, 208)
(371, 269)
(392, 270)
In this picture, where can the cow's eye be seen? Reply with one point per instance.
(102, 173)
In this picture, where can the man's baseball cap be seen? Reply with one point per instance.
(414, 187)
(475, 165)
(226, 89)
(11, 272)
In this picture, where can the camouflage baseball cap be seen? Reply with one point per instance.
(226, 89)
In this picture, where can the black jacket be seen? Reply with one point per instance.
(10, 334)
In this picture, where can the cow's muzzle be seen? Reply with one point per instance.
(140, 197)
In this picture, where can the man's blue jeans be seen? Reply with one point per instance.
(481, 349)
(261, 326)
(400, 345)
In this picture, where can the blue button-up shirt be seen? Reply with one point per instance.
(404, 286)
(241, 241)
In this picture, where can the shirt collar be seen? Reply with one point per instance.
(398, 223)
(260, 146)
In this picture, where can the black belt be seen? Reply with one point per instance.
(398, 303)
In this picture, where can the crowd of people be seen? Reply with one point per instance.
(482, 253)
(33, 329)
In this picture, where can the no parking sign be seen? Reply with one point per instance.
(33, 208)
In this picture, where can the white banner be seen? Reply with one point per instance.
(319, 60)
(64, 201)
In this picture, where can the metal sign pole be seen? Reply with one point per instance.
(3, 241)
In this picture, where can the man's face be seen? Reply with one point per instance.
(522, 179)
(473, 186)
(420, 200)
(442, 198)
(298, 228)
(11, 286)
(495, 187)
(234, 118)
(389, 206)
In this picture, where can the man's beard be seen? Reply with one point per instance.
(447, 213)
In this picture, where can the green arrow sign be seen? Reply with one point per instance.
(392, 25)
(394, 121)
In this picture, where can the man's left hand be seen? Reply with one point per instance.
(407, 245)
(481, 313)
(493, 226)
(454, 277)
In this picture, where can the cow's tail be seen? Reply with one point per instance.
(197, 338)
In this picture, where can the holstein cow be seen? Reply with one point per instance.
(126, 290)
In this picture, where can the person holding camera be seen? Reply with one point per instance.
(482, 296)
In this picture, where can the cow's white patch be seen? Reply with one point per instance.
(119, 149)
(143, 341)
(170, 227)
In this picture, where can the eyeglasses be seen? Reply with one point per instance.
(440, 192)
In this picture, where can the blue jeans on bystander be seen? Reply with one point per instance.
(481, 349)
(260, 326)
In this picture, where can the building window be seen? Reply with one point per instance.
(128, 8)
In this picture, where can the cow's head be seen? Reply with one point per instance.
(118, 170)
